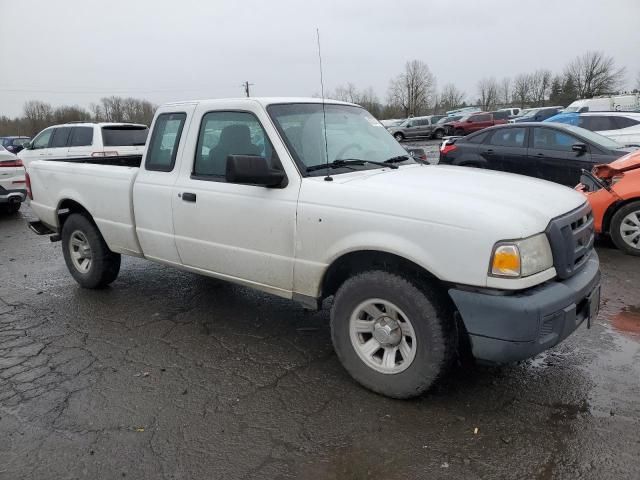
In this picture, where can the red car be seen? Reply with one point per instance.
(476, 121)
(613, 191)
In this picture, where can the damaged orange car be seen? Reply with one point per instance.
(613, 190)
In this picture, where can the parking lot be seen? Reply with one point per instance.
(169, 375)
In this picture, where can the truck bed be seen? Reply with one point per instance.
(102, 185)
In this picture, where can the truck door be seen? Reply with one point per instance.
(153, 188)
(240, 232)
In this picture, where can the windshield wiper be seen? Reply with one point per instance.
(346, 162)
(404, 158)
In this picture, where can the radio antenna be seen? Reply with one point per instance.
(324, 114)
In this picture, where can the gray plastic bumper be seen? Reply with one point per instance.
(512, 327)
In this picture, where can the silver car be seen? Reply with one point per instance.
(417, 127)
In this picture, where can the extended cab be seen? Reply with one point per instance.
(477, 121)
(308, 201)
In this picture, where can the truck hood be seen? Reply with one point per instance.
(513, 206)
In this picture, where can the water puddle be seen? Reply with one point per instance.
(616, 372)
(627, 322)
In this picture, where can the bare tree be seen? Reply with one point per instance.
(414, 89)
(504, 91)
(72, 113)
(595, 74)
(522, 89)
(451, 97)
(540, 86)
(38, 115)
(488, 91)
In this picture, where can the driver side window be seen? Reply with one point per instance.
(230, 133)
(42, 140)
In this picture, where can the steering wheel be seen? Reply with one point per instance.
(346, 148)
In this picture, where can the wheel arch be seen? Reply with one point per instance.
(611, 211)
(68, 206)
(352, 263)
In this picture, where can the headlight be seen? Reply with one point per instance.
(521, 258)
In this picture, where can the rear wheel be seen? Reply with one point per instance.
(390, 335)
(86, 254)
(398, 136)
(625, 228)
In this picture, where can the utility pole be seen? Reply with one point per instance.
(246, 86)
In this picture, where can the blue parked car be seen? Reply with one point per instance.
(570, 118)
(537, 114)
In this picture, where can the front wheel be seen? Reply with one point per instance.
(459, 132)
(438, 134)
(398, 136)
(625, 228)
(86, 254)
(390, 335)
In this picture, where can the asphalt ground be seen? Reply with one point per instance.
(169, 375)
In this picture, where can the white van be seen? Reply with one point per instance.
(618, 103)
(80, 140)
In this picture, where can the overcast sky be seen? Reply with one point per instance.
(76, 51)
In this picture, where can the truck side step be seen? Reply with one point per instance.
(40, 228)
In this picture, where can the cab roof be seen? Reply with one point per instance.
(264, 101)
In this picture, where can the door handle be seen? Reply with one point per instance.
(540, 155)
(189, 197)
(490, 151)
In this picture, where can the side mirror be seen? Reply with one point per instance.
(579, 148)
(253, 170)
(409, 125)
(469, 121)
(27, 146)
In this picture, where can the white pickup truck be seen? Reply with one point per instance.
(307, 201)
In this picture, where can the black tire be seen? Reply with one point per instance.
(12, 208)
(459, 132)
(398, 136)
(615, 229)
(105, 264)
(438, 134)
(431, 317)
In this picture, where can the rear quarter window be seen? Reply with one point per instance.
(477, 138)
(124, 136)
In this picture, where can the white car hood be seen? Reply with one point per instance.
(513, 206)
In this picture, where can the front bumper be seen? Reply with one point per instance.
(511, 327)
(12, 196)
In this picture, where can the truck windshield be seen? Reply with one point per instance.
(124, 135)
(352, 134)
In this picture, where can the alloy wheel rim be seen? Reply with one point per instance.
(80, 250)
(382, 336)
(630, 229)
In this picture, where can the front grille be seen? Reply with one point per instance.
(571, 237)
